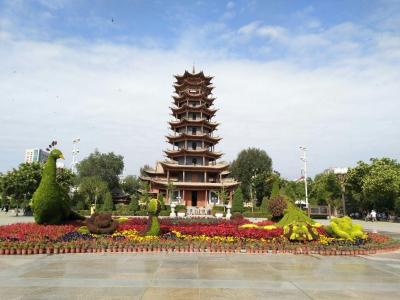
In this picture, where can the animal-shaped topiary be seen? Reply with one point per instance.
(153, 209)
(300, 231)
(345, 229)
(293, 214)
(50, 202)
(101, 223)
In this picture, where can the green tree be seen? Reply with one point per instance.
(106, 166)
(237, 202)
(108, 204)
(134, 203)
(326, 190)
(130, 184)
(94, 189)
(375, 185)
(252, 167)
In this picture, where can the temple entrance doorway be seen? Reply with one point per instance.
(194, 198)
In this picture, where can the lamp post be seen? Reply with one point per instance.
(341, 175)
(304, 159)
(75, 151)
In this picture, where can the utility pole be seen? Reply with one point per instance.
(304, 159)
(75, 151)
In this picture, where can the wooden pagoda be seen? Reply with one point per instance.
(191, 174)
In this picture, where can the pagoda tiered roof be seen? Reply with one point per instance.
(199, 108)
(193, 76)
(201, 151)
(184, 122)
(186, 136)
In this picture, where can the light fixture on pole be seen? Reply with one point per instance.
(75, 152)
(304, 159)
(341, 174)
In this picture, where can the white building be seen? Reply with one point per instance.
(35, 155)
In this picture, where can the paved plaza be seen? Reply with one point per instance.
(200, 276)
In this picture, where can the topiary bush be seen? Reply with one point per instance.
(161, 199)
(276, 206)
(108, 204)
(101, 223)
(300, 231)
(134, 204)
(50, 203)
(292, 215)
(345, 229)
(237, 202)
(153, 208)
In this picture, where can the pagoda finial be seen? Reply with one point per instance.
(193, 71)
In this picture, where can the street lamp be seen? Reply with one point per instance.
(304, 159)
(75, 151)
(341, 174)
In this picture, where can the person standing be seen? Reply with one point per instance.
(373, 215)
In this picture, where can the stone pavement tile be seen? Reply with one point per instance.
(253, 294)
(171, 294)
(176, 272)
(78, 293)
(351, 294)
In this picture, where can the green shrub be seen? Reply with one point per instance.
(237, 202)
(293, 214)
(108, 204)
(141, 213)
(256, 214)
(80, 205)
(180, 207)
(134, 204)
(161, 199)
(217, 209)
(164, 213)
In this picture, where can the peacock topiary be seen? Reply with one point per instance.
(345, 229)
(50, 202)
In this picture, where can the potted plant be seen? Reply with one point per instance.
(181, 213)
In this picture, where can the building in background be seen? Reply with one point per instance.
(36, 155)
(191, 170)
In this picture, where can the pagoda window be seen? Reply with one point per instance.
(194, 130)
(194, 145)
(194, 161)
(194, 116)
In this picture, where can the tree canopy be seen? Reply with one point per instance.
(106, 166)
(374, 185)
(253, 168)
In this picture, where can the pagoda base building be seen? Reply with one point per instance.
(191, 174)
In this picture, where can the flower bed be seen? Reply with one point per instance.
(187, 235)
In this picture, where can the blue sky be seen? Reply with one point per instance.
(318, 73)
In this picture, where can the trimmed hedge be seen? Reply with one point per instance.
(256, 214)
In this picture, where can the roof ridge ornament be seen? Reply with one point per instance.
(193, 70)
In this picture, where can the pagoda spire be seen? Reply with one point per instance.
(193, 70)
